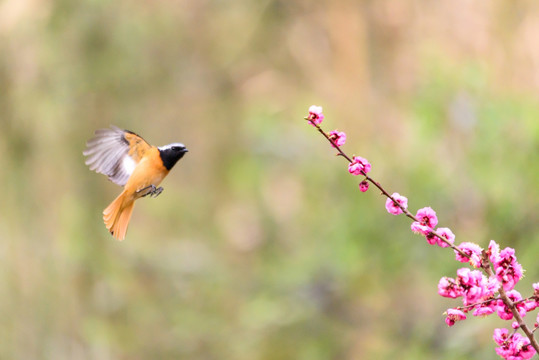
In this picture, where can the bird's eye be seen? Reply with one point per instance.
(175, 148)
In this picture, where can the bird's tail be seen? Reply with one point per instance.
(117, 215)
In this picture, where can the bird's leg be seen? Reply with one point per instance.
(148, 190)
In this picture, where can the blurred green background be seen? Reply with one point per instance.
(261, 246)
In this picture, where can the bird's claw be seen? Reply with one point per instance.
(151, 190)
(156, 192)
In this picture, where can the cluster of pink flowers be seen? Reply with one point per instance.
(514, 347)
(425, 225)
(478, 291)
(472, 285)
(481, 294)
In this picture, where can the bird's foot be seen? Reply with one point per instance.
(150, 190)
(156, 192)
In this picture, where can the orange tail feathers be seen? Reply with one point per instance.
(117, 215)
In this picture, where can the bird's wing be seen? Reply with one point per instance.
(115, 153)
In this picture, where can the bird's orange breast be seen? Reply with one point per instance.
(149, 171)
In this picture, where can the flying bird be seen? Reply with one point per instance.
(129, 161)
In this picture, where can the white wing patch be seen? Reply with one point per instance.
(128, 164)
(107, 154)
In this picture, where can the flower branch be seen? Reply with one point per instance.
(315, 118)
(501, 271)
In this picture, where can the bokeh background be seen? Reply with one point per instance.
(261, 246)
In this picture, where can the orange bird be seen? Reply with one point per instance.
(129, 161)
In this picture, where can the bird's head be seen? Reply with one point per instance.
(171, 153)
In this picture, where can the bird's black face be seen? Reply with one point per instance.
(170, 154)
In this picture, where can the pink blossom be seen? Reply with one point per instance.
(475, 286)
(465, 276)
(531, 304)
(431, 238)
(500, 336)
(504, 312)
(359, 166)
(338, 138)
(426, 221)
(420, 229)
(493, 251)
(526, 349)
(521, 305)
(472, 250)
(471, 282)
(506, 348)
(392, 207)
(364, 186)
(426, 216)
(485, 309)
(315, 115)
(448, 287)
(507, 269)
(492, 286)
(454, 315)
(446, 233)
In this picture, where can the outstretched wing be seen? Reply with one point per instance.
(115, 153)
